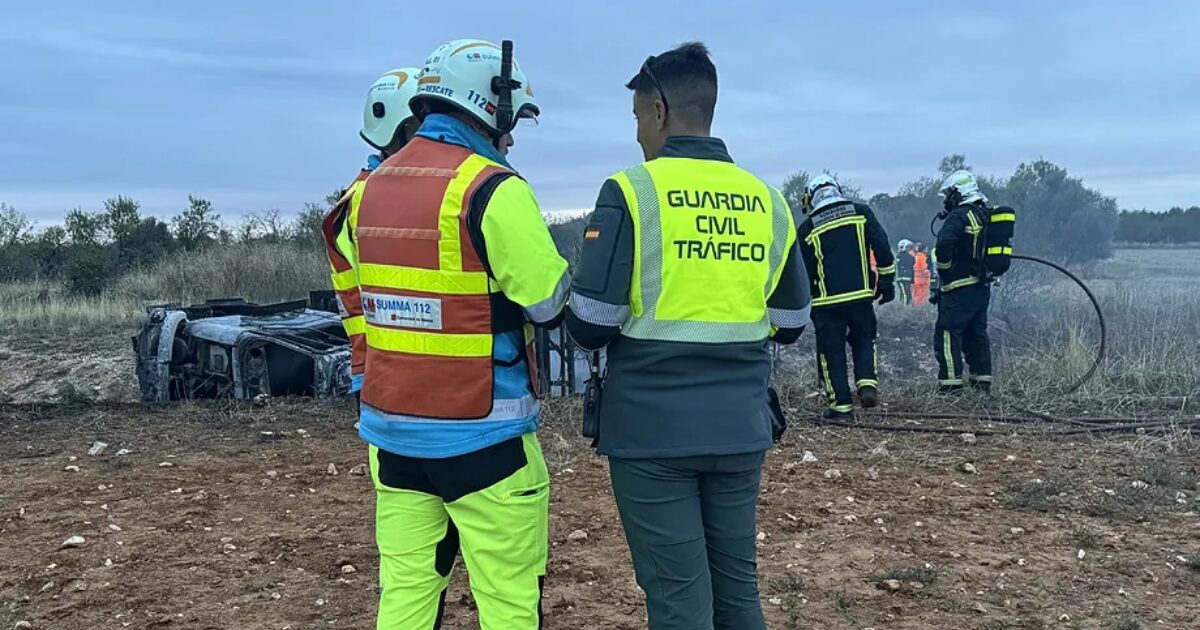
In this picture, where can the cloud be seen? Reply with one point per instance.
(257, 105)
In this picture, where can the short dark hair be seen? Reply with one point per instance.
(688, 79)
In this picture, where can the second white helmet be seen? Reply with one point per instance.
(963, 185)
(463, 73)
(387, 107)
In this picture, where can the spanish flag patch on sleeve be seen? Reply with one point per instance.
(592, 234)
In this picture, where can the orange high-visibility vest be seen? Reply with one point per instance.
(430, 307)
(920, 279)
(342, 270)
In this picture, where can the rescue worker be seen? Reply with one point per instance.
(920, 288)
(455, 262)
(837, 239)
(688, 267)
(388, 124)
(905, 268)
(963, 297)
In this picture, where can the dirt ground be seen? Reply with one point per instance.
(227, 516)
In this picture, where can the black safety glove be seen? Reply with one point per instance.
(886, 292)
(935, 296)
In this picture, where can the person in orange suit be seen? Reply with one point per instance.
(921, 275)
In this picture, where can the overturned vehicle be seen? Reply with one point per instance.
(234, 348)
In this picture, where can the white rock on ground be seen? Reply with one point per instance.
(165, 464)
(969, 438)
(577, 536)
(348, 569)
(71, 468)
(969, 468)
(880, 450)
(123, 452)
(359, 470)
(833, 473)
(331, 470)
(808, 458)
(97, 448)
(114, 527)
(22, 625)
(73, 541)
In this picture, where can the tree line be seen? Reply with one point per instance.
(1175, 226)
(90, 250)
(1058, 217)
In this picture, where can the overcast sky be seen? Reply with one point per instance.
(257, 105)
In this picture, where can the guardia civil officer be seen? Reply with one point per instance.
(689, 267)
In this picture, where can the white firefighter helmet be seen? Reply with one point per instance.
(961, 183)
(464, 73)
(822, 190)
(904, 245)
(387, 109)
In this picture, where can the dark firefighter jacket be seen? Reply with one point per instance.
(905, 267)
(958, 246)
(837, 242)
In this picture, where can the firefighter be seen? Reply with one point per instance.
(688, 266)
(920, 287)
(905, 268)
(964, 295)
(388, 124)
(455, 263)
(837, 239)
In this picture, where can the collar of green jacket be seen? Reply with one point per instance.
(696, 148)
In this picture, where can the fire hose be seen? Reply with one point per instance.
(1073, 425)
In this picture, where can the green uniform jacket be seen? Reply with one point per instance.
(675, 399)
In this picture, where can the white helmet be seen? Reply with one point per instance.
(961, 184)
(467, 73)
(904, 245)
(387, 108)
(822, 190)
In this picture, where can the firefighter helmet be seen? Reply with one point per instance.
(960, 187)
(822, 190)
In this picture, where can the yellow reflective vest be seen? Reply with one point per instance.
(710, 241)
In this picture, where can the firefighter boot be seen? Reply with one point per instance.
(982, 384)
(837, 415)
(868, 396)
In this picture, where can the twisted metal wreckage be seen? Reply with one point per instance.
(234, 348)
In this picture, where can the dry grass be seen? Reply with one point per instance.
(257, 271)
(40, 306)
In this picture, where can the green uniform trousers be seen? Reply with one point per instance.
(691, 526)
